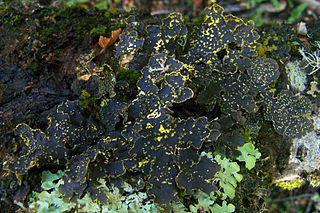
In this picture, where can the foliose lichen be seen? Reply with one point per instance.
(289, 114)
(144, 140)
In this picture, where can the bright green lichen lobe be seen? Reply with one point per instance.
(222, 40)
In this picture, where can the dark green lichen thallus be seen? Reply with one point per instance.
(172, 73)
(289, 113)
(173, 26)
(74, 179)
(49, 147)
(151, 113)
(99, 78)
(134, 23)
(77, 171)
(162, 177)
(233, 92)
(128, 47)
(237, 91)
(129, 43)
(154, 154)
(222, 41)
(149, 110)
(199, 175)
(112, 113)
(262, 71)
(98, 170)
(162, 64)
(40, 151)
(163, 37)
(238, 94)
(157, 68)
(173, 90)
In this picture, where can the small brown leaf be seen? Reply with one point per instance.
(103, 42)
(106, 42)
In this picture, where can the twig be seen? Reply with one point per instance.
(291, 198)
(308, 209)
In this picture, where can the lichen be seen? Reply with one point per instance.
(127, 47)
(311, 60)
(292, 184)
(221, 40)
(289, 114)
(185, 104)
(296, 75)
(249, 155)
(240, 89)
(49, 199)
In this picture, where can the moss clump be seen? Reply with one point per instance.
(265, 47)
(88, 103)
(130, 76)
(99, 30)
(111, 12)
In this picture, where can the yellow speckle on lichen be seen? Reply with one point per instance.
(163, 130)
(143, 162)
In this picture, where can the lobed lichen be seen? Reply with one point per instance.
(289, 114)
(143, 139)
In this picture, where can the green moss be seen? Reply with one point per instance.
(130, 76)
(89, 104)
(14, 20)
(111, 12)
(49, 40)
(99, 30)
(246, 133)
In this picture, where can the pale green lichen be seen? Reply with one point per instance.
(249, 155)
(313, 88)
(227, 177)
(50, 200)
(297, 76)
(208, 204)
